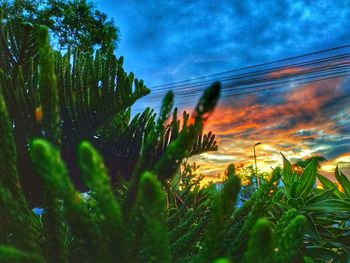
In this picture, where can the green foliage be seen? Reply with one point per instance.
(326, 211)
(222, 260)
(150, 212)
(11, 254)
(343, 181)
(53, 171)
(96, 178)
(75, 96)
(249, 176)
(260, 245)
(243, 219)
(52, 220)
(106, 235)
(221, 209)
(139, 207)
(147, 235)
(59, 108)
(299, 186)
(74, 23)
(22, 232)
(290, 229)
(48, 89)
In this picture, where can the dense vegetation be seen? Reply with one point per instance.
(65, 128)
(74, 23)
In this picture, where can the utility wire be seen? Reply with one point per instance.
(262, 88)
(262, 80)
(259, 72)
(256, 66)
(306, 65)
(230, 87)
(241, 84)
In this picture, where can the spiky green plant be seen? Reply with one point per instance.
(135, 230)
(106, 236)
(83, 96)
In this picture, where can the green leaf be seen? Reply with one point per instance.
(294, 189)
(343, 180)
(322, 253)
(308, 178)
(328, 205)
(310, 227)
(296, 202)
(325, 232)
(325, 221)
(287, 174)
(325, 194)
(343, 238)
(327, 184)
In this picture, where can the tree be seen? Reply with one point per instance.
(74, 23)
(89, 96)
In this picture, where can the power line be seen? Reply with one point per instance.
(264, 88)
(254, 73)
(265, 79)
(314, 73)
(241, 84)
(233, 87)
(255, 66)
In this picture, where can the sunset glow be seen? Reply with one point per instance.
(299, 122)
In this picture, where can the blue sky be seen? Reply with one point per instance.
(167, 41)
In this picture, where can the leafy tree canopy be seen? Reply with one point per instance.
(73, 23)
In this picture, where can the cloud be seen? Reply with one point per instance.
(202, 37)
(308, 120)
(167, 41)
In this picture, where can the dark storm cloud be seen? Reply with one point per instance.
(164, 41)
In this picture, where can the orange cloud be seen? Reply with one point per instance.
(285, 72)
(293, 124)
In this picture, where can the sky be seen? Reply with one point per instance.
(168, 41)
